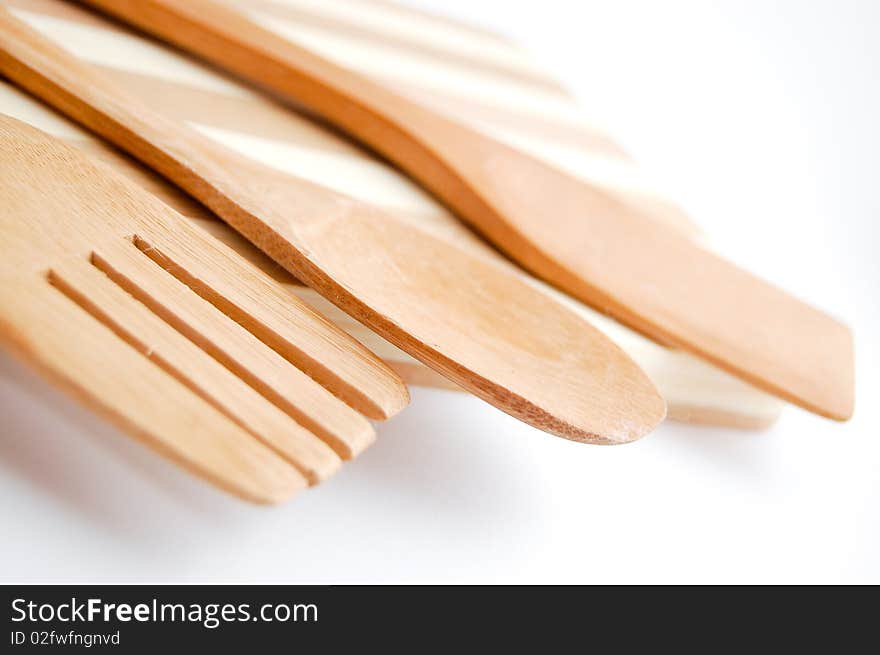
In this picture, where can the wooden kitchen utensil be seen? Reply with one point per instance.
(470, 319)
(693, 390)
(508, 97)
(170, 334)
(581, 239)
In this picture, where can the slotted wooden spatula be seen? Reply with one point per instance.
(693, 390)
(581, 239)
(173, 83)
(468, 318)
(170, 334)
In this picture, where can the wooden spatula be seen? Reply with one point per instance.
(468, 318)
(573, 235)
(694, 391)
(169, 81)
(170, 334)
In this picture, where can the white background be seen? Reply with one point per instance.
(762, 120)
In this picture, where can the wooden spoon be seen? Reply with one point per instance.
(466, 317)
(573, 235)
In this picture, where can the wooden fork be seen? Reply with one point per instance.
(467, 317)
(169, 333)
(583, 240)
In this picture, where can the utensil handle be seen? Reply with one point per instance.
(181, 154)
(405, 132)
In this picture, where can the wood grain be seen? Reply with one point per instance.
(86, 298)
(588, 243)
(261, 128)
(469, 319)
(694, 390)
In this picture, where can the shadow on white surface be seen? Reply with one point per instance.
(63, 451)
(427, 471)
(738, 454)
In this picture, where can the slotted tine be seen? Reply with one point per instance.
(172, 335)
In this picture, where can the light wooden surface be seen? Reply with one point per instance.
(157, 326)
(580, 238)
(251, 123)
(464, 316)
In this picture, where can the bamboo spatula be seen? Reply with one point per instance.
(579, 238)
(170, 334)
(693, 390)
(470, 319)
(173, 83)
